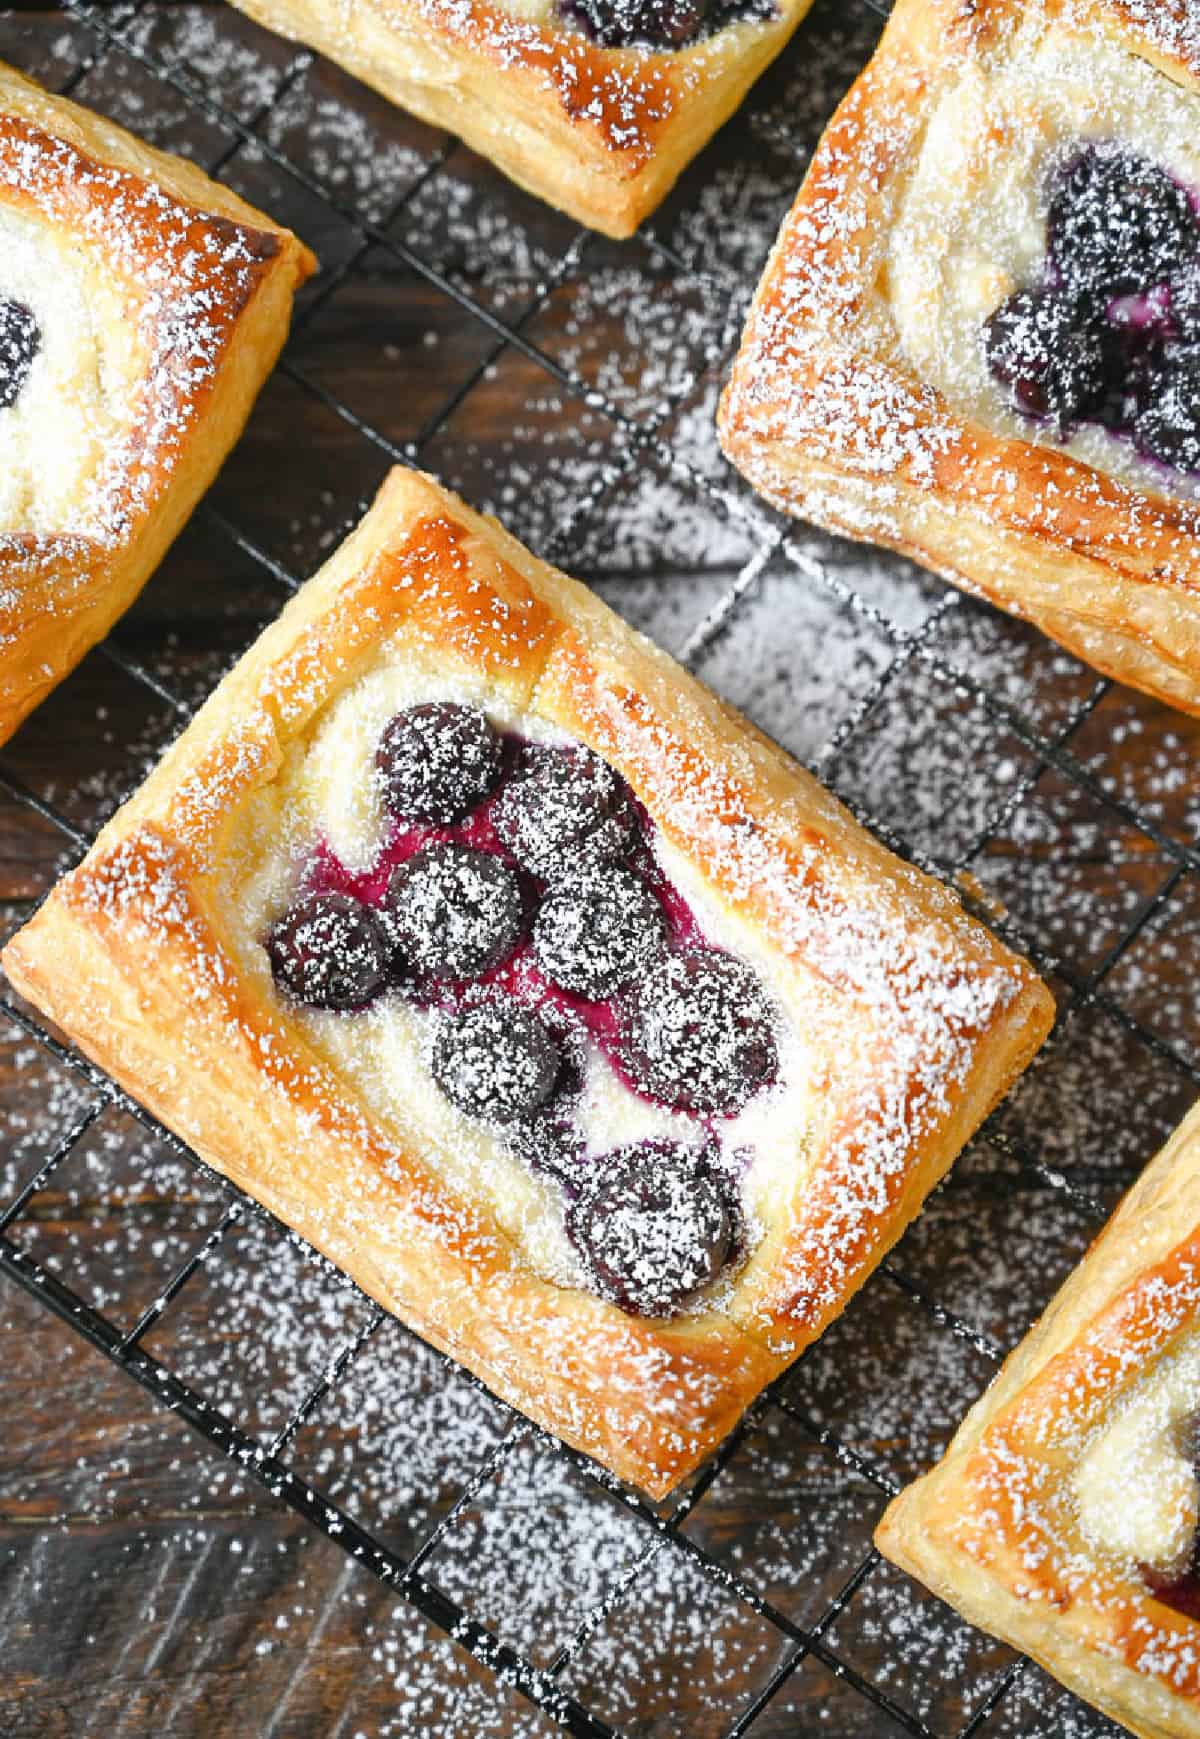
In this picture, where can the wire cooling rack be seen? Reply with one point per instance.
(570, 383)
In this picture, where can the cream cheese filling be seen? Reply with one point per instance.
(325, 791)
(541, 12)
(1136, 1486)
(78, 398)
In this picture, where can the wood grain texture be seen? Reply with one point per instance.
(143, 1580)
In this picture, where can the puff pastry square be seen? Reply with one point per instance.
(872, 393)
(1064, 1515)
(141, 308)
(897, 1020)
(602, 132)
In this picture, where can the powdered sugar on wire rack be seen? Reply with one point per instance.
(569, 385)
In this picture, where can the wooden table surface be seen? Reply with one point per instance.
(149, 1585)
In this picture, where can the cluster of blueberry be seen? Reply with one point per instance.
(1112, 334)
(543, 901)
(20, 341)
(658, 23)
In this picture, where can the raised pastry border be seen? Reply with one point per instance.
(824, 418)
(209, 282)
(990, 1529)
(601, 133)
(924, 1018)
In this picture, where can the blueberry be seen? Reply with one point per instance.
(454, 912)
(435, 762)
(1181, 1593)
(698, 1033)
(739, 11)
(659, 23)
(1051, 355)
(1168, 423)
(656, 23)
(654, 1223)
(329, 951)
(549, 1141)
(1185, 303)
(20, 341)
(497, 1061)
(1117, 223)
(565, 808)
(597, 930)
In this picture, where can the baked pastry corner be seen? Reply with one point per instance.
(602, 132)
(141, 308)
(1063, 1517)
(977, 340)
(855, 1024)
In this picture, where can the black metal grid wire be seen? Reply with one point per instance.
(112, 34)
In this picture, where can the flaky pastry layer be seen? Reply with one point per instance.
(192, 282)
(918, 1019)
(995, 1528)
(602, 133)
(830, 417)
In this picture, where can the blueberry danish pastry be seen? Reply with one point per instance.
(1065, 1516)
(141, 308)
(978, 339)
(532, 986)
(595, 105)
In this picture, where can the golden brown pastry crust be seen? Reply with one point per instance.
(919, 1018)
(992, 1529)
(824, 416)
(208, 283)
(601, 133)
